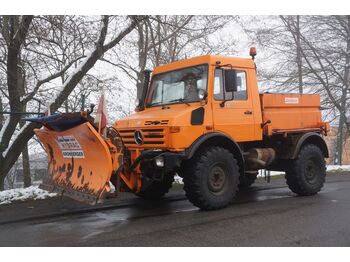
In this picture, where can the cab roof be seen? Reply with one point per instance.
(206, 59)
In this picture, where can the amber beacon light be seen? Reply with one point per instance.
(252, 52)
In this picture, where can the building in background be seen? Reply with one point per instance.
(38, 168)
(331, 141)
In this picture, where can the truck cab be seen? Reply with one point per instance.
(184, 116)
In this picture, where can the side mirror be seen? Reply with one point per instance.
(230, 80)
(92, 106)
(138, 102)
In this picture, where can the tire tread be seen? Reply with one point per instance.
(293, 175)
(192, 178)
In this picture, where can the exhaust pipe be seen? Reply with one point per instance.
(258, 158)
(147, 77)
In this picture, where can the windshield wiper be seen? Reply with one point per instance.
(154, 104)
(182, 100)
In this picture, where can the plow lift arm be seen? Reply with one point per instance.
(81, 162)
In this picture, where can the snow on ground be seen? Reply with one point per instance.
(178, 179)
(272, 173)
(338, 167)
(22, 194)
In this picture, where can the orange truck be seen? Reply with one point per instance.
(201, 118)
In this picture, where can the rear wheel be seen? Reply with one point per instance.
(157, 189)
(211, 178)
(306, 174)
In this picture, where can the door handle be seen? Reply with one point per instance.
(248, 112)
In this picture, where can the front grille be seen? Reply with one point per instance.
(151, 136)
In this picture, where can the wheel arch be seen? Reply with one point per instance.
(310, 138)
(217, 139)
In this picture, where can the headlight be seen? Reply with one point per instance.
(159, 161)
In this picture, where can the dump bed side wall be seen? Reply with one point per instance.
(290, 112)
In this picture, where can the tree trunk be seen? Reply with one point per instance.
(1, 115)
(2, 177)
(26, 167)
(342, 117)
(299, 58)
(25, 163)
(143, 49)
(2, 174)
(339, 154)
(2, 186)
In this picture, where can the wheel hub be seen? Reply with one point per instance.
(217, 179)
(310, 170)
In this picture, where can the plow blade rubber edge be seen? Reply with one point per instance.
(80, 164)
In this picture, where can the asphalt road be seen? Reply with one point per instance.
(266, 215)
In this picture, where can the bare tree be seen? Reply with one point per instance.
(313, 54)
(280, 64)
(164, 39)
(327, 54)
(292, 24)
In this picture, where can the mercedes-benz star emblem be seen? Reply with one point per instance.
(138, 137)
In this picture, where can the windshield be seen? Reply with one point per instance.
(180, 86)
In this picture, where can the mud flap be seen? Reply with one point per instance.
(80, 164)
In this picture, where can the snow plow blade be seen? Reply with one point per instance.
(80, 164)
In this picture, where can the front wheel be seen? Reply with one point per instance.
(306, 174)
(211, 178)
(157, 189)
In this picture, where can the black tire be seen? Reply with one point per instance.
(247, 180)
(211, 178)
(306, 174)
(157, 189)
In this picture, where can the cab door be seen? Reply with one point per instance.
(234, 117)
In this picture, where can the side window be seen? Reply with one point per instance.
(218, 85)
(240, 94)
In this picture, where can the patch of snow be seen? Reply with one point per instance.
(178, 179)
(22, 98)
(272, 173)
(22, 194)
(338, 167)
(112, 187)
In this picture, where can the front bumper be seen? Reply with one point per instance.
(172, 160)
